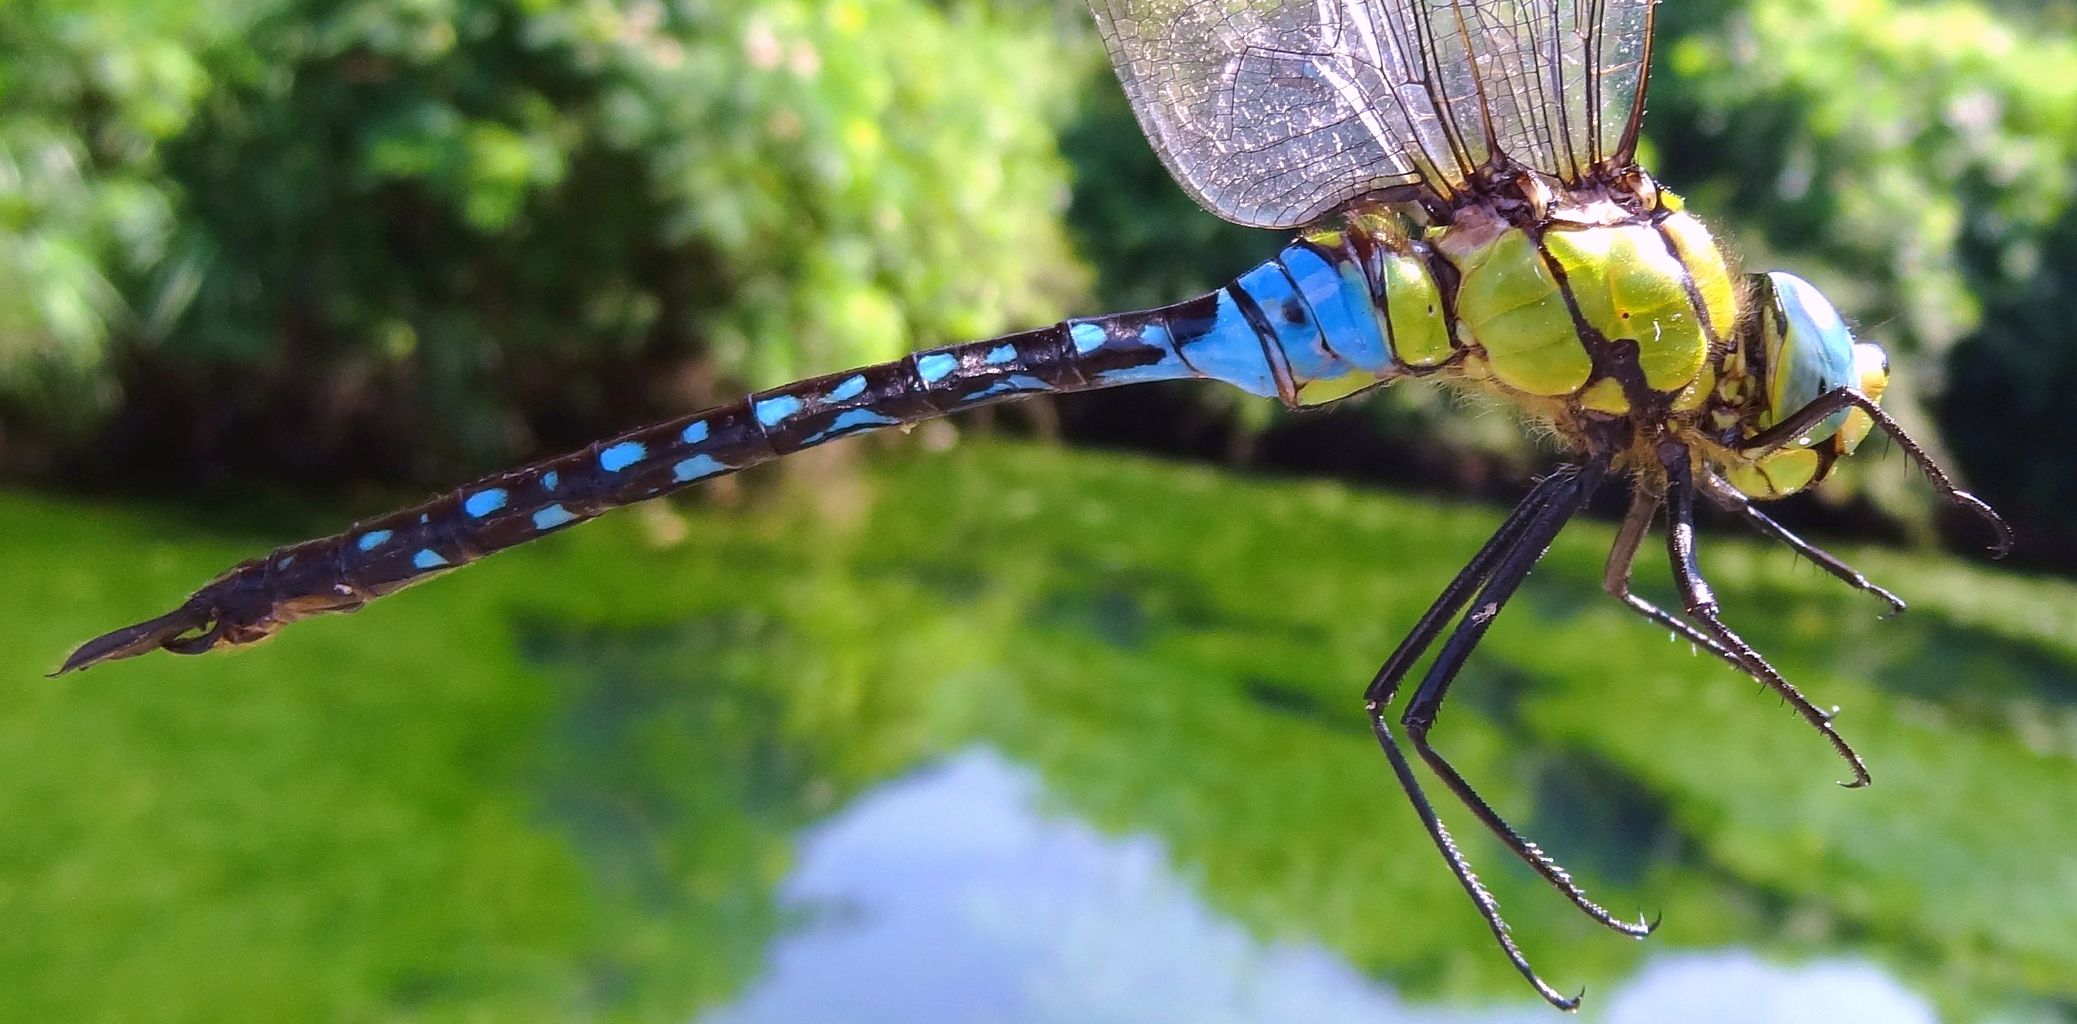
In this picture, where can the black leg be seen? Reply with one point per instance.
(1426, 705)
(1728, 498)
(1701, 606)
(1616, 579)
(1803, 420)
(1507, 573)
(1495, 573)
(1487, 907)
(1385, 684)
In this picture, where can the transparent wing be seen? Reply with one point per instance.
(1274, 112)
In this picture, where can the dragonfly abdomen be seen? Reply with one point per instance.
(378, 556)
(1307, 327)
(1267, 333)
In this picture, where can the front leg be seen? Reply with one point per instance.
(1802, 421)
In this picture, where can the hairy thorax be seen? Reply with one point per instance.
(1607, 311)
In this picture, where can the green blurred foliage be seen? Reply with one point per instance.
(410, 207)
(89, 95)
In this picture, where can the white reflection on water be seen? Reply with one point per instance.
(952, 896)
(1736, 987)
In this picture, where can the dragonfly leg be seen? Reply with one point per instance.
(1459, 866)
(1701, 606)
(1385, 685)
(1728, 498)
(1616, 580)
(1426, 704)
(1494, 573)
(1801, 421)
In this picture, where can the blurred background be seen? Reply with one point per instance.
(1047, 713)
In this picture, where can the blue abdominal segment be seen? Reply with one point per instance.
(1216, 338)
(1341, 306)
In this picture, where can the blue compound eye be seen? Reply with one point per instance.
(1809, 350)
(1805, 351)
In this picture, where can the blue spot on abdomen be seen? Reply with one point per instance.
(484, 502)
(771, 411)
(851, 421)
(551, 517)
(1014, 384)
(1150, 335)
(695, 468)
(427, 558)
(369, 541)
(852, 387)
(935, 366)
(621, 456)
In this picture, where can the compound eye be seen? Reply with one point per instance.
(1809, 352)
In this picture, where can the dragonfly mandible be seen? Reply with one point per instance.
(1469, 212)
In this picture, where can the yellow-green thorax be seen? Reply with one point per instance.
(1609, 314)
(1595, 307)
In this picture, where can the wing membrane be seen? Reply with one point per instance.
(1273, 112)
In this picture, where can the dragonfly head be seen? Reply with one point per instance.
(1802, 349)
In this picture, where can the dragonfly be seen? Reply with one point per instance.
(1466, 208)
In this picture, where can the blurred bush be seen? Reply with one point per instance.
(89, 95)
(446, 225)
